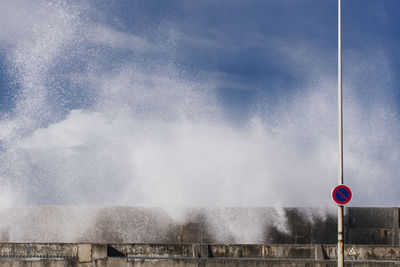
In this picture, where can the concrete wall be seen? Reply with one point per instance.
(378, 226)
(86, 253)
(117, 262)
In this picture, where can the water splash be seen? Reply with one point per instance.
(90, 127)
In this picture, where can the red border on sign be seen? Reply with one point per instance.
(334, 190)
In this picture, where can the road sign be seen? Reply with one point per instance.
(352, 252)
(341, 194)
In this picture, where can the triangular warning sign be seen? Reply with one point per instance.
(352, 251)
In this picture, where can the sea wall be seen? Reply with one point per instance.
(25, 254)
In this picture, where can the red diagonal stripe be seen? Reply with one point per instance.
(341, 194)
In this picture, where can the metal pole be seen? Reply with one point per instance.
(340, 106)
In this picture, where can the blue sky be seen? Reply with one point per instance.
(239, 39)
(162, 95)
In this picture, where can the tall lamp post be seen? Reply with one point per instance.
(340, 110)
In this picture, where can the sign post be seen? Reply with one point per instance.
(340, 111)
(342, 195)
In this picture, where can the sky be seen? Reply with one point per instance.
(253, 48)
(197, 103)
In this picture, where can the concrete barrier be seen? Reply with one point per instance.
(120, 262)
(52, 254)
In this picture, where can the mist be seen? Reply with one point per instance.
(103, 117)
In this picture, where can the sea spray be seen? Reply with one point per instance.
(105, 117)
